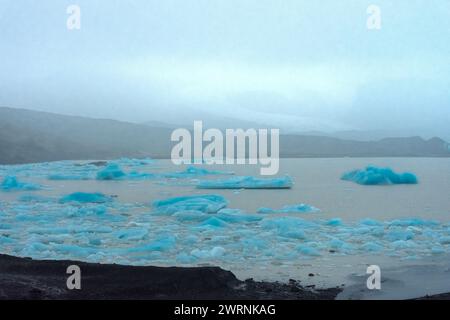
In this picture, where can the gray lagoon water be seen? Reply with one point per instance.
(316, 182)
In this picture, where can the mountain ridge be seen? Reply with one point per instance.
(33, 136)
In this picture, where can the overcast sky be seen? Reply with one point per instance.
(308, 65)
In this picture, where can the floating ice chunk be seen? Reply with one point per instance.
(132, 162)
(34, 198)
(134, 175)
(83, 197)
(246, 182)
(413, 222)
(254, 243)
(5, 240)
(288, 227)
(399, 234)
(10, 183)
(444, 240)
(204, 203)
(403, 244)
(186, 258)
(214, 222)
(192, 171)
(214, 253)
(334, 222)
(437, 250)
(131, 233)
(379, 176)
(370, 222)
(307, 250)
(296, 208)
(57, 176)
(90, 210)
(336, 244)
(111, 172)
(161, 244)
(190, 216)
(372, 247)
(74, 250)
(236, 216)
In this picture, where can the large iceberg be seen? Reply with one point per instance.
(247, 182)
(11, 183)
(379, 176)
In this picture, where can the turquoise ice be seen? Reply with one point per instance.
(379, 176)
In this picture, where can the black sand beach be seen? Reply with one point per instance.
(25, 279)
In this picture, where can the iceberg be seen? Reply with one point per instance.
(308, 251)
(214, 222)
(133, 162)
(288, 227)
(204, 203)
(111, 172)
(84, 197)
(296, 208)
(379, 176)
(164, 243)
(57, 176)
(10, 183)
(192, 171)
(237, 216)
(246, 182)
(214, 253)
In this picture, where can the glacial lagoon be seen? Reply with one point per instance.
(322, 225)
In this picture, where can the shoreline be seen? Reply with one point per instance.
(28, 279)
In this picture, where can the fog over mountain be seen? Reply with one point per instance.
(297, 65)
(31, 136)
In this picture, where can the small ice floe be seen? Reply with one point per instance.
(83, 176)
(84, 197)
(133, 162)
(247, 182)
(114, 172)
(379, 176)
(111, 172)
(296, 208)
(10, 183)
(192, 172)
(210, 203)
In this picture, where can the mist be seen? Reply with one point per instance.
(296, 65)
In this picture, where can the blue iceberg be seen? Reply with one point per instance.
(379, 176)
(84, 197)
(296, 208)
(247, 182)
(10, 183)
(132, 162)
(111, 172)
(57, 176)
(192, 171)
(204, 203)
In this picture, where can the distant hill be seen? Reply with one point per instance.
(32, 136)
